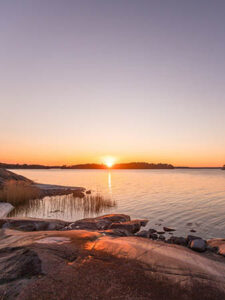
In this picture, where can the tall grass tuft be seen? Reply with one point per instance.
(18, 192)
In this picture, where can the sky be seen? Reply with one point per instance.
(137, 80)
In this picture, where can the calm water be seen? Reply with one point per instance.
(182, 199)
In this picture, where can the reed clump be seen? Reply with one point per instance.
(18, 192)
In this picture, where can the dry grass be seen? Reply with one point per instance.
(93, 204)
(18, 192)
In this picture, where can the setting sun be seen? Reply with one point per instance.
(109, 161)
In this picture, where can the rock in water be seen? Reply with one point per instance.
(168, 229)
(198, 245)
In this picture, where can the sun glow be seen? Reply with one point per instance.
(109, 161)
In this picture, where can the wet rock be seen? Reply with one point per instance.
(218, 245)
(198, 245)
(192, 237)
(178, 240)
(143, 233)
(131, 226)
(32, 224)
(168, 229)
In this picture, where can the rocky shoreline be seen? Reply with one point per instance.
(109, 256)
(117, 225)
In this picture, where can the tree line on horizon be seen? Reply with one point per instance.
(132, 165)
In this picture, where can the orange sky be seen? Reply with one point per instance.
(138, 80)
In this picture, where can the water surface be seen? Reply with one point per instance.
(182, 199)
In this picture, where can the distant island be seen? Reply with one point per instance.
(132, 165)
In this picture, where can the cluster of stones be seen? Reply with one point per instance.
(191, 241)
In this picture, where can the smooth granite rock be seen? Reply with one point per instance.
(79, 264)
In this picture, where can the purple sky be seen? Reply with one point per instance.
(139, 80)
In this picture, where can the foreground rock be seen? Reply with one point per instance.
(80, 264)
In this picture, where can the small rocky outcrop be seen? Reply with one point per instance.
(100, 223)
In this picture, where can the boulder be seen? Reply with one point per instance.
(192, 237)
(198, 245)
(152, 230)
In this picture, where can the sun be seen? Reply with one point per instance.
(109, 161)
